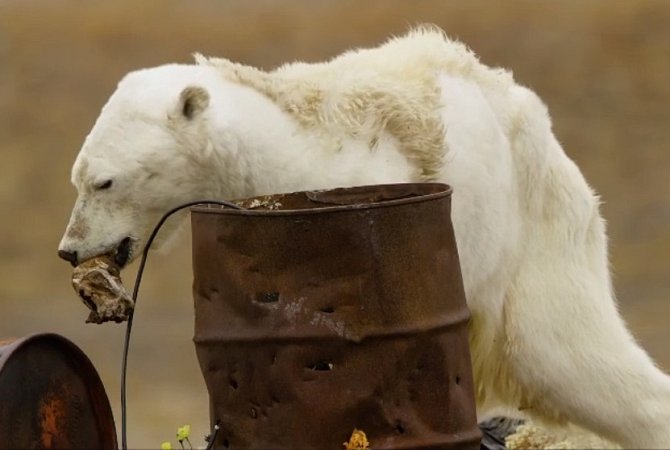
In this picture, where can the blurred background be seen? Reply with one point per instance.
(603, 68)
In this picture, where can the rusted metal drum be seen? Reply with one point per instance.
(320, 312)
(51, 397)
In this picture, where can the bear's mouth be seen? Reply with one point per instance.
(123, 252)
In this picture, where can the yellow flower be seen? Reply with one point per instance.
(358, 441)
(183, 432)
(166, 446)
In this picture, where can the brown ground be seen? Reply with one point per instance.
(602, 67)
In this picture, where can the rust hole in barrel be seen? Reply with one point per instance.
(399, 428)
(233, 383)
(321, 366)
(458, 379)
(267, 297)
(327, 310)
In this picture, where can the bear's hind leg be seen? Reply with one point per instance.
(570, 354)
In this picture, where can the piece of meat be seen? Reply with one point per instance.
(98, 283)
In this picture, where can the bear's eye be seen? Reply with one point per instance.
(104, 185)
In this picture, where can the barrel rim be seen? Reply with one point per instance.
(445, 191)
(8, 346)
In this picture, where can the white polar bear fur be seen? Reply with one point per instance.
(546, 336)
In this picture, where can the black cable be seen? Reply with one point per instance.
(138, 280)
(212, 437)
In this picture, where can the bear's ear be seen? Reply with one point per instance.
(192, 101)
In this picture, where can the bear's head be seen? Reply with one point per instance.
(149, 151)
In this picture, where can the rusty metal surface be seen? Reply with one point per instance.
(321, 312)
(51, 397)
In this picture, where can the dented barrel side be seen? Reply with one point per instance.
(321, 312)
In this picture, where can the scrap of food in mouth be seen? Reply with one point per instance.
(98, 283)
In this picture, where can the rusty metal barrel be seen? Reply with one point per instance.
(51, 397)
(320, 312)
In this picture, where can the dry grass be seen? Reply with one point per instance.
(602, 67)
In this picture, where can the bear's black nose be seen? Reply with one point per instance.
(68, 256)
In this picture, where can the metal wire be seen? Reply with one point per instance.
(129, 326)
(212, 437)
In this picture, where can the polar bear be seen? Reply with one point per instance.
(546, 336)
